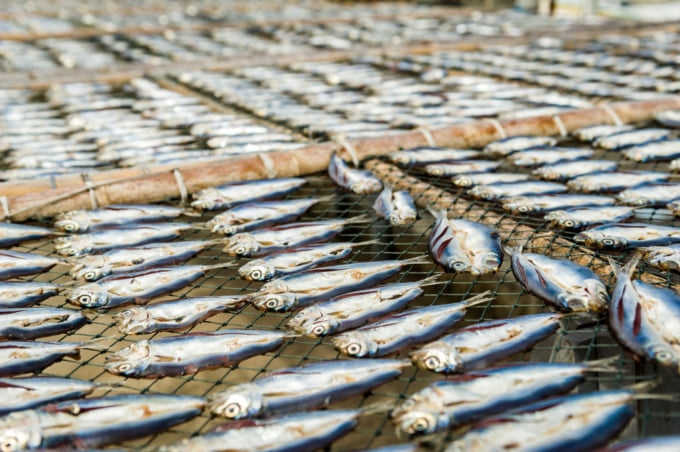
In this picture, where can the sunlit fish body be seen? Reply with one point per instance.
(546, 203)
(614, 181)
(24, 393)
(138, 287)
(629, 138)
(545, 155)
(591, 133)
(296, 260)
(462, 245)
(31, 323)
(479, 345)
(229, 195)
(664, 257)
(354, 180)
(668, 118)
(301, 289)
(11, 234)
(106, 239)
(474, 179)
(315, 384)
(653, 152)
(397, 207)
(457, 168)
(15, 294)
(16, 263)
(581, 217)
(90, 423)
(396, 332)
(510, 189)
(18, 357)
(628, 235)
(563, 284)
(424, 155)
(113, 215)
(649, 195)
(509, 145)
(667, 443)
(174, 315)
(569, 170)
(191, 353)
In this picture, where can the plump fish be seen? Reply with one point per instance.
(31, 323)
(125, 260)
(479, 345)
(629, 138)
(457, 168)
(313, 430)
(580, 217)
(563, 284)
(471, 180)
(653, 152)
(628, 235)
(424, 155)
(315, 384)
(229, 195)
(191, 353)
(250, 216)
(569, 170)
(467, 398)
(174, 315)
(574, 422)
(668, 443)
(18, 357)
(511, 189)
(138, 287)
(396, 332)
(301, 289)
(16, 294)
(11, 233)
(649, 195)
(462, 245)
(663, 257)
(357, 181)
(354, 309)
(278, 238)
(507, 146)
(397, 207)
(89, 423)
(29, 392)
(614, 181)
(547, 155)
(546, 203)
(114, 215)
(106, 239)
(591, 133)
(297, 260)
(668, 118)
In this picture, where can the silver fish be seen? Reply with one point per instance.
(354, 180)
(397, 207)
(511, 189)
(545, 155)
(509, 145)
(581, 217)
(11, 233)
(668, 118)
(666, 443)
(462, 245)
(470, 180)
(628, 235)
(14, 294)
(654, 151)
(614, 181)
(629, 138)
(297, 260)
(457, 168)
(31, 323)
(29, 392)
(591, 133)
(174, 315)
(674, 206)
(18, 357)
(649, 195)
(229, 195)
(430, 155)
(16, 263)
(85, 220)
(190, 353)
(546, 203)
(398, 331)
(664, 257)
(569, 170)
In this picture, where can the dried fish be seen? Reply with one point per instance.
(397, 207)
(628, 235)
(174, 315)
(547, 155)
(357, 181)
(479, 345)
(462, 245)
(649, 195)
(15, 294)
(29, 392)
(19, 357)
(546, 203)
(510, 189)
(668, 443)
(509, 145)
(11, 233)
(474, 179)
(569, 170)
(190, 353)
(229, 195)
(457, 168)
(664, 257)
(396, 332)
(591, 133)
(114, 215)
(31, 323)
(614, 181)
(654, 151)
(15, 263)
(138, 287)
(629, 138)
(668, 118)
(423, 155)
(581, 217)
(315, 384)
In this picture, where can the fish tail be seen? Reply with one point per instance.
(431, 280)
(416, 260)
(188, 212)
(221, 265)
(326, 198)
(367, 242)
(512, 250)
(479, 299)
(96, 343)
(642, 391)
(437, 213)
(377, 408)
(626, 270)
(363, 218)
(602, 365)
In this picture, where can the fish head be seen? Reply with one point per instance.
(243, 401)
(664, 354)
(70, 225)
(353, 344)
(485, 263)
(89, 296)
(598, 296)
(243, 244)
(303, 318)
(319, 328)
(482, 192)
(434, 170)
(463, 181)
(73, 245)
(436, 359)
(92, 273)
(599, 239)
(400, 158)
(20, 431)
(366, 186)
(457, 265)
(278, 302)
(400, 218)
(206, 199)
(416, 422)
(132, 320)
(257, 270)
(130, 361)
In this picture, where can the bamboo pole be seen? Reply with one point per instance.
(160, 186)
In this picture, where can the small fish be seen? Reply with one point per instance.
(191, 352)
(561, 283)
(16, 294)
(278, 238)
(546, 203)
(548, 155)
(654, 151)
(18, 394)
(229, 195)
(15, 263)
(664, 257)
(90, 423)
(629, 138)
(301, 289)
(31, 323)
(424, 155)
(512, 189)
(11, 234)
(19, 357)
(591, 133)
(106, 239)
(462, 245)
(479, 345)
(315, 384)
(650, 195)
(614, 181)
(113, 215)
(125, 260)
(581, 217)
(397, 207)
(628, 235)
(313, 430)
(398, 331)
(471, 180)
(357, 181)
(507, 146)
(250, 216)
(667, 443)
(470, 397)
(354, 309)
(297, 260)
(457, 168)
(174, 315)
(569, 170)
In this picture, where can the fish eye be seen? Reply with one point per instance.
(319, 330)
(432, 362)
(569, 223)
(523, 209)
(90, 276)
(420, 425)
(124, 367)
(10, 444)
(256, 274)
(70, 227)
(608, 242)
(663, 356)
(355, 349)
(459, 266)
(240, 250)
(232, 410)
(85, 299)
(272, 303)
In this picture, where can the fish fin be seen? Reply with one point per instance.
(221, 265)
(643, 388)
(603, 365)
(437, 214)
